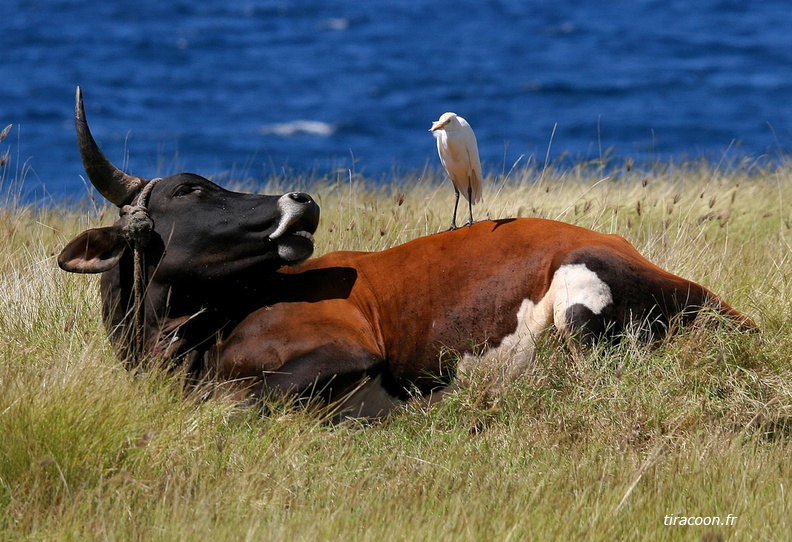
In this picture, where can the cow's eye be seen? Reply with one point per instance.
(184, 190)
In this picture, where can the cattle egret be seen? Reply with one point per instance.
(458, 150)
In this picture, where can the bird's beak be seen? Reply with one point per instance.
(436, 125)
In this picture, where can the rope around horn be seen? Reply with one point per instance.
(138, 231)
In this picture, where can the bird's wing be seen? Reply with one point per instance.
(473, 162)
(459, 155)
(454, 160)
(443, 151)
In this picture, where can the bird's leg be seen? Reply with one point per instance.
(470, 204)
(456, 204)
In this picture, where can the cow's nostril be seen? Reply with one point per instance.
(301, 197)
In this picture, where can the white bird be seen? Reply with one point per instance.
(458, 150)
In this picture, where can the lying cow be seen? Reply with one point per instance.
(229, 298)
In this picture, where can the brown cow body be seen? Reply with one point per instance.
(401, 317)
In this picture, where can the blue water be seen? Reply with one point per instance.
(244, 89)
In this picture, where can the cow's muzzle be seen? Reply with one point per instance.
(299, 215)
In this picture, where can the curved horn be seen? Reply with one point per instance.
(115, 185)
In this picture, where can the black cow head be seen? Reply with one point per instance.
(201, 232)
(187, 259)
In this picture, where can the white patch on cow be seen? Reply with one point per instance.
(577, 285)
(571, 285)
(514, 355)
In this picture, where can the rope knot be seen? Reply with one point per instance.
(137, 225)
(137, 228)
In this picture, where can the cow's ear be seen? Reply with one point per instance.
(93, 251)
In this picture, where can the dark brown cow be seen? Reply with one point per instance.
(369, 329)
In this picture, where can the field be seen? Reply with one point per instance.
(630, 444)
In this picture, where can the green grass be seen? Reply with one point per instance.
(597, 445)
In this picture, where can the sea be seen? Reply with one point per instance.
(244, 90)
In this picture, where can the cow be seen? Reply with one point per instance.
(200, 249)
(231, 301)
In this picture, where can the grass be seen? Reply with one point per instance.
(598, 445)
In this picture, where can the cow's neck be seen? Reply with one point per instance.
(182, 316)
(118, 308)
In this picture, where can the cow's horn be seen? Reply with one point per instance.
(115, 185)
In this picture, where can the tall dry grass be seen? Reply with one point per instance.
(597, 445)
